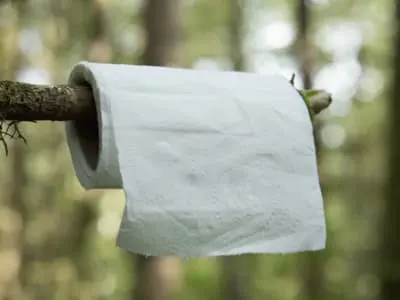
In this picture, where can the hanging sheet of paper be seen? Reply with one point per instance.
(211, 163)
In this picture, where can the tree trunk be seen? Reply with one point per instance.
(18, 187)
(236, 31)
(161, 19)
(32, 198)
(304, 52)
(390, 242)
(234, 269)
(84, 213)
(312, 263)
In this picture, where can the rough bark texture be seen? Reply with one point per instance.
(390, 242)
(28, 102)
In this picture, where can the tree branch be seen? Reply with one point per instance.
(28, 102)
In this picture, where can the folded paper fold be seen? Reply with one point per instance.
(211, 163)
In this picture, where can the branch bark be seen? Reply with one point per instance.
(29, 102)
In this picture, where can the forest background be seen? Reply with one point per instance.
(57, 241)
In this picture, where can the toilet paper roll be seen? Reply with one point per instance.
(211, 163)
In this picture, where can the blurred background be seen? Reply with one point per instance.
(57, 241)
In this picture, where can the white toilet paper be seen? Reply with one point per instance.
(211, 163)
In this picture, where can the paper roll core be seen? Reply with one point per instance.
(91, 141)
(87, 134)
(86, 130)
(88, 140)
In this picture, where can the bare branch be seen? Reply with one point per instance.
(29, 102)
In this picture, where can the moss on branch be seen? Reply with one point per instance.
(28, 102)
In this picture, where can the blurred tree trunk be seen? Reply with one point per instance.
(234, 269)
(236, 29)
(46, 224)
(19, 184)
(85, 211)
(390, 241)
(99, 46)
(161, 20)
(312, 264)
(303, 45)
(8, 230)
